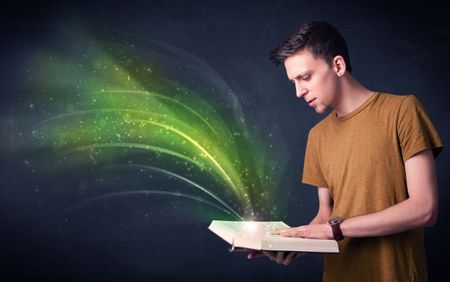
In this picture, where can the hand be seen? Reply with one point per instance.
(312, 231)
(279, 257)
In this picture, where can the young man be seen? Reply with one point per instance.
(372, 159)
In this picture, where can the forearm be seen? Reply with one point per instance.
(325, 207)
(407, 215)
(404, 216)
(419, 210)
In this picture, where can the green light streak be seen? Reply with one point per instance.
(132, 145)
(146, 93)
(83, 203)
(209, 193)
(94, 111)
(114, 96)
(201, 148)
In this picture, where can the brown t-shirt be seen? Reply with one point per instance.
(360, 158)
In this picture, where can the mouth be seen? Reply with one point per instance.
(310, 101)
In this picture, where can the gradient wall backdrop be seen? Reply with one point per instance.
(128, 127)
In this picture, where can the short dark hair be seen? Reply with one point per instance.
(319, 37)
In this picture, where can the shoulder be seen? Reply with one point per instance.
(394, 104)
(401, 104)
(394, 100)
(410, 101)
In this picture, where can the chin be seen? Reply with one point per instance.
(320, 110)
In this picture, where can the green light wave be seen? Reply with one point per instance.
(117, 96)
(234, 186)
(131, 145)
(189, 109)
(83, 203)
(203, 189)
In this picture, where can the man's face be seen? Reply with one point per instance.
(313, 78)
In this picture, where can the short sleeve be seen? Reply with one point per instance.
(415, 130)
(312, 172)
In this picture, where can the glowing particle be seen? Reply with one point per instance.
(179, 130)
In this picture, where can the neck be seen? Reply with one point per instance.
(351, 94)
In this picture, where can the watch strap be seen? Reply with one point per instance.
(335, 224)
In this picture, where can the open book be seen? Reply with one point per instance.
(256, 235)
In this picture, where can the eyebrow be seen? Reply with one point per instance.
(307, 72)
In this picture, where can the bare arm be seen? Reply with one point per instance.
(325, 206)
(419, 210)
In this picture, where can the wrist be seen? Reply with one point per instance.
(335, 224)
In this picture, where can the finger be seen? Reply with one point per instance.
(288, 233)
(289, 258)
(270, 255)
(280, 257)
(294, 232)
(278, 231)
(285, 233)
(254, 254)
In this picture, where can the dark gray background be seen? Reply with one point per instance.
(395, 47)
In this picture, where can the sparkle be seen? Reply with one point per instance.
(106, 109)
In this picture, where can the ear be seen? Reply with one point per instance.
(339, 65)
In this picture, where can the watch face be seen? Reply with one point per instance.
(334, 220)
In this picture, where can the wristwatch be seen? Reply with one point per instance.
(335, 224)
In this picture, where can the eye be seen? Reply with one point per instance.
(306, 77)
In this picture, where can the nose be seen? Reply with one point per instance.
(301, 92)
